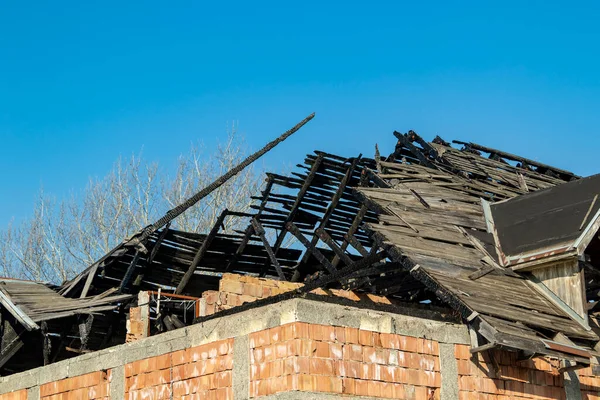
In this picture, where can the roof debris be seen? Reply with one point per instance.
(428, 224)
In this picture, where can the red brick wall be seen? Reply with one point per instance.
(18, 395)
(137, 327)
(235, 290)
(319, 358)
(531, 379)
(589, 382)
(198, 372)
(93, 386)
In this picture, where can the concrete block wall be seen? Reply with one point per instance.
(302, 349)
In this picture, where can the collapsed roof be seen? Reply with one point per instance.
(416, 226)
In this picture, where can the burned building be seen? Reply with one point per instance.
(443, 270)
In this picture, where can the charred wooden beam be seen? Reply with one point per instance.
(516, 158)
(153, 253)
(293, 229)
(260, 231)
(324, 236)
(350, 238)
(414, 137)
(11, 340)
(47, 344)
(405, 142)
(335, 199)
(353, 228)
(129, 272)
(294, 209)
(201, 252)
(250, 229)
(172, 214)
(338, 275)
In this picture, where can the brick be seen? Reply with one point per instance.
(389, 341)
(245, 299)
(269, 353)
(231, 286)
(361, 387)
(329, 384)
(211, 296)
(348, 386)
(322, 350)
(260, 339)
(223, 379)
(347, 294)
(266, 291)
(307, 347)
(276, 334)
(307, 383)
(321, 367)
(336, 351)
(351, 335)
(462, 352)
(352, 352)
(365, 338)
(374, 388)
(399, 391)
(340, 334)
(408, 343)
(252, 290)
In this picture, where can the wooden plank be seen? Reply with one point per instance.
(16, 312)
(201, 252)
(261, 233)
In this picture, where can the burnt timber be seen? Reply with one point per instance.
(413, 226)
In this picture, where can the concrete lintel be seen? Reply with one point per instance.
(333, 314)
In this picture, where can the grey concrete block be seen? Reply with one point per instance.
(55, 372)
(22, 380)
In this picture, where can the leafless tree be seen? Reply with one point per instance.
(64, 236)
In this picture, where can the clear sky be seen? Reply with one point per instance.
(82, 82)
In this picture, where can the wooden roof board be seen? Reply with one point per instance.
(40, 303)
(548, 219)
(450, 262)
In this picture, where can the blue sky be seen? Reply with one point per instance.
(82, 83)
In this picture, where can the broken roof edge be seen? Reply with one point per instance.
(472, 318)
(16, 312)
(540, 256)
